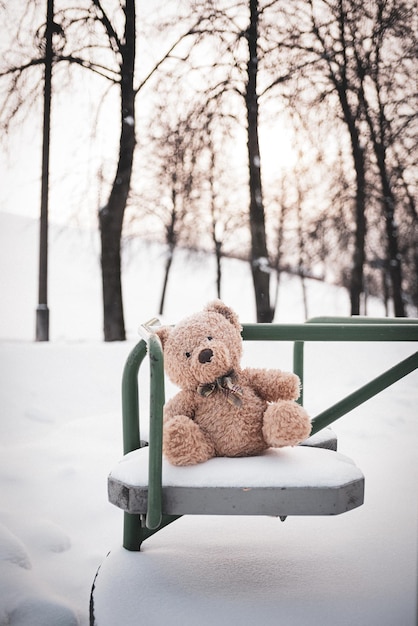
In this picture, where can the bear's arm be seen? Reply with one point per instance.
(272, 385)
(183, 403)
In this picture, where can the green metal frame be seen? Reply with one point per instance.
(136, 527)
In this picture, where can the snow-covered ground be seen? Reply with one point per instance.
(60, 434)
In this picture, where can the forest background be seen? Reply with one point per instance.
(280, 133)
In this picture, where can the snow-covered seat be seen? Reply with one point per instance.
(291, 481)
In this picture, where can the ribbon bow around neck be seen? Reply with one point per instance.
(224, 384)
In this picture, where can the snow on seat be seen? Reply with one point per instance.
(287, 481)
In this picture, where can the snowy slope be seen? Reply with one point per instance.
(60, 434)
(74, 294)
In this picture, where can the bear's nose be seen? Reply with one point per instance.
(205, 356)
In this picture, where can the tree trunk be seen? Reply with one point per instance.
(171, 240)
(394, 257)
(261, 278)
(111, 216)
(301, 248)
(280, 235)
(217, 243)
(393, 254)
(218, 255)
(338, 74)
(110, 233)
(168, 263)
(378, 128)
(357, 269)
(357, 151)
(385, 291)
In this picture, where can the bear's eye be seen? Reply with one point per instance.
(210, 338)
(188, 354)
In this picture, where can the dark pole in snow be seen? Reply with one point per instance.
(42, 312)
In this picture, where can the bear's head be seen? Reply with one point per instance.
(202, 347)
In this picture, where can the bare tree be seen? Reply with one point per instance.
(111, 215)
(280, 200)
(353, 47)
(226, 216)
(169, 200)
(259, 252)
(308, 49)
(99, 32)
(330, 45)
(180, 170)
(385, 19)
(214, 214)
(233, 70)
(100, 38)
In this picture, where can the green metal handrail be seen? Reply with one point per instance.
(157, 398)
(130, 398)
(136, 529)
(341, 331)
(298, 350)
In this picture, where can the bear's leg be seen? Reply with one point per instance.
(184, 443)
(285, 423)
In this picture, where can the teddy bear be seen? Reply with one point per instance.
(221, 408)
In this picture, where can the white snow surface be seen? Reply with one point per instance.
(294, 467)
(60, 434)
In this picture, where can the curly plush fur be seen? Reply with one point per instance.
(257, 411)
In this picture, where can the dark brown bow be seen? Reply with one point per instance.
(224, 384)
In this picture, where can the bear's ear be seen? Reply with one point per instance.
(163, 333)
(217, 306)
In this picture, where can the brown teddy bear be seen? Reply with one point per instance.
(223, 410)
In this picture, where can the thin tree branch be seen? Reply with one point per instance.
(167, 55)
(111, 33)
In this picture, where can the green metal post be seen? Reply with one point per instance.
(131, 432)
(298, 355)
(130, 399)
(132, 532)
(154, 514)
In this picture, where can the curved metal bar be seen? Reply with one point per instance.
(131, 432)
(360, 319)
(154, 514)
(130, 398)
(341, 331)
